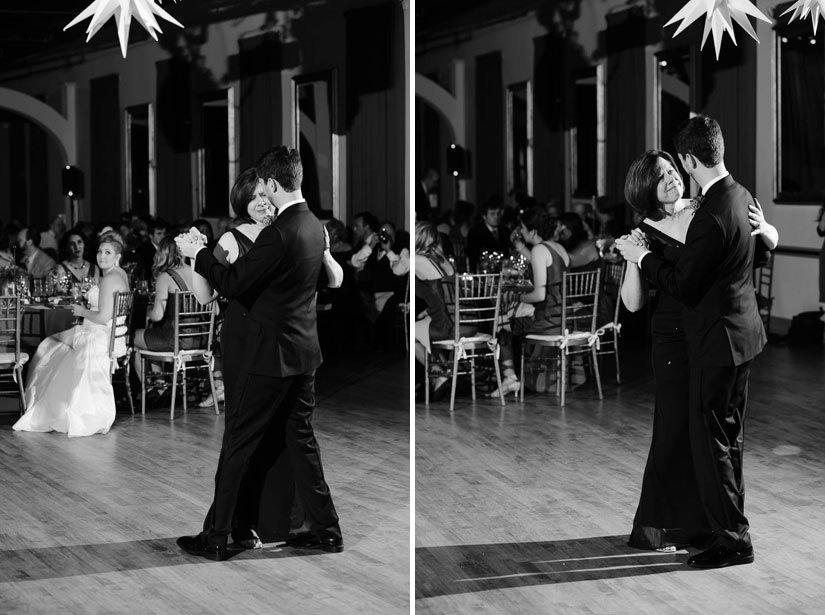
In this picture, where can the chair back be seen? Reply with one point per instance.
(460, 255)
(580, 301)
(477, 302)
(10, 325)
(194, 323)
(612, 278)
(121, 324)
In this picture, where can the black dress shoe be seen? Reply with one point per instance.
(719, 557)
(327, 541)
(198, 545)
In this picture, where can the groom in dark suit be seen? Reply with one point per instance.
(277, 382)
(713, 279)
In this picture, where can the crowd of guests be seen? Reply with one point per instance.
(551, 241)
(363, 282)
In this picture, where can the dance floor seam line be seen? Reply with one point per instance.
(551, 572)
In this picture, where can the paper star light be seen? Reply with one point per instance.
(801, 8)
(143, 10)
(718, 19)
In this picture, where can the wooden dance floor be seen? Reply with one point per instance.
(527, 508)
(88, 525)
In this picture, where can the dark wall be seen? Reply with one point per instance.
(375, 90)
(625, 117)
(489, 127)
(727, 92)
(105, 147)
(173, 140)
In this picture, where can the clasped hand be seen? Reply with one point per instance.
(190, 242)
(632, 246)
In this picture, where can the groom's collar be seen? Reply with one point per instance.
(718, 178)
(288, 204)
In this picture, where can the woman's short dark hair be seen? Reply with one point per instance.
(243, 191)
(167, 257)
(642, 182)
(538, 219)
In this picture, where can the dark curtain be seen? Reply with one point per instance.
(548, 118)
(625, 116)
(173, 140)
(260, 61)
(489, 129)
(105, 148)
(727, 94)
(376, 142)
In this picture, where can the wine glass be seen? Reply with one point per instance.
(76, 291)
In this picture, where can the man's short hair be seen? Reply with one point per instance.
(368, 219)
(494, 202)
(157, 224)
(283, 164)
(701, 136)
(33, 234)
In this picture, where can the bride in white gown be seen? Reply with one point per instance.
(69, 388)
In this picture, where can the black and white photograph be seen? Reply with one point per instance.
(619, 307)
(205, 264)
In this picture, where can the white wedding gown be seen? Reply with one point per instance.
(69, 387)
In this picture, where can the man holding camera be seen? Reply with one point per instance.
(381, 268)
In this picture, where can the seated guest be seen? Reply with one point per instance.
(170, 273)
(69, 387)
(74, 263)
(364, 228)
(158, 229)
(50, 240)
(6, 256)
(540, 310)
(380, 274)
(433, 320)
(205, 228)
(572, 234)
(36, 262)
(396, 246)
(337, 231)
(488, 234)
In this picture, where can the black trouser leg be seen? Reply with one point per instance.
(717, 422)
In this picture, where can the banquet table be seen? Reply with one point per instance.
(40, 320)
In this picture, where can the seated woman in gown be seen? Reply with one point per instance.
(69, 387)
(171, 273)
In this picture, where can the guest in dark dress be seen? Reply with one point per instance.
(171, 273)
(73, 252)
(670, 514)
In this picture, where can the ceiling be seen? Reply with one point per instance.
(33, 29)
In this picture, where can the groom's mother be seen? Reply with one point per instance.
(670, 513)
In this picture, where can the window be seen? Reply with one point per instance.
(800, 108)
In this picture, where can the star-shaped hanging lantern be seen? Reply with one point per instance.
(123, 10)
(720, 15)
(801, 8)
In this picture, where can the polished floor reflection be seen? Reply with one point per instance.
(526, 508)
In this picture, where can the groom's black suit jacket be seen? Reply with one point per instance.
(279, 275)
(714, 279)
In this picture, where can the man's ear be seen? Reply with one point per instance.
(688, 161)
(273, 184)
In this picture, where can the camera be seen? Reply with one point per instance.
(384, 236)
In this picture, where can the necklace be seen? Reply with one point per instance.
(77, 267)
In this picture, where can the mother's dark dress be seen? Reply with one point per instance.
(267, 501)
(670, 512)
